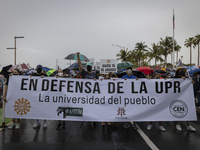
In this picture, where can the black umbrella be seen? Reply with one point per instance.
(73, 56)
(160, 71)
(5, 72)
(138, 74)
(121, 74)
(73, 66)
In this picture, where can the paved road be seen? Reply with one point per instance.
(100, 138)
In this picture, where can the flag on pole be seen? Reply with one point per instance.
(173, 36)
(173, 21)
(58, 67)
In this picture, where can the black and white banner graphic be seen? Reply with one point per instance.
(108, 100)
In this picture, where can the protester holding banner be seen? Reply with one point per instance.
(103, 123)
(39, 73)
(15, 121)
(86, 75)
(196, 86)
(157, 76)
(129, 75)
(61, 124)
(180, 73)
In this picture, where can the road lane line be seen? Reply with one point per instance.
(146, 138)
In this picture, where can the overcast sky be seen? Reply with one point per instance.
(55, 28)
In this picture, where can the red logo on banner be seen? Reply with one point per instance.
(121, 111)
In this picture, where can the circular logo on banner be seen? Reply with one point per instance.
(178, 108)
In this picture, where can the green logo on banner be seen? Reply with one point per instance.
(70, 111)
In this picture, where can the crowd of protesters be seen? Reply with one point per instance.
(90, 74)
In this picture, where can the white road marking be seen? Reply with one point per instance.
(147, 140)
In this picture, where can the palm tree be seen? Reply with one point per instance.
(196, 42)
(123, 55)
(133, 57)
(188, 43)
(141, 48)
(166, 47)
(177, 49)
(155, 53)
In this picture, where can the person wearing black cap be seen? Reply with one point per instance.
(129, 75)
(86, 75)
(180, 73)
(39, 73)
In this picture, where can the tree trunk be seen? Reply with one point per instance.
(177, 57)
(165, 59)
(171, 58)
(139, 61)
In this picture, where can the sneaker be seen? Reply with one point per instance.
(11, 126)
(127, 125)
(59, 126)
(149, 126)
(17, 126)
(162, 128)
(44, 124)
(178, 127)
(134, 126)
(189, 127)
(36, 125)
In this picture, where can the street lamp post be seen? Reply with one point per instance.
(16, 37)
(123, 47)
(57, 61)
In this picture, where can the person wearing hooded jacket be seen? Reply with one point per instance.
(88, 74)
(40, 73)
(180, 73)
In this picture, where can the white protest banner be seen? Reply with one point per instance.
(108, 65)
(107, 100)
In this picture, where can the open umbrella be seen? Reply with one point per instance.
(124, 64)
(50, 72)
(121, 74)
(138, 74)
(73, 66)
(157, 68)
(46, 69)
(5, 72)
(20, 67)
(160, 71)
(31, 71)
(146, 70)
(193, 68)
(73, 56)
(163, 69)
